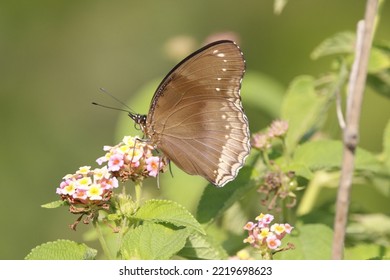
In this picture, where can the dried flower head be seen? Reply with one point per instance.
(278, 185)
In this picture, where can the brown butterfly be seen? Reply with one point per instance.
(196, 117)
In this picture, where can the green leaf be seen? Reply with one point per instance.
(215, 201)
(62, 250)
(299, 169)
(386, 145)
(327, 154)
(315, 196)
(372, 197)
(367, 251)
(380, 82)
(340, 43)
(379, 61)
(54, 204)
(382, 45)
(370, 227)
(311, 241)
(303, 108)
(256, 89)
(152, 241)
(321, 154)
(167, 211)
(200, 247)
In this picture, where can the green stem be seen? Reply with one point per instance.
(102, 240)
(138, 193)
(266, 159)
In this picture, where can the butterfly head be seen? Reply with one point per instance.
(139, 120)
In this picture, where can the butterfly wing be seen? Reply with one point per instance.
(196, 118)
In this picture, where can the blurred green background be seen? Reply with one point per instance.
(54, 56)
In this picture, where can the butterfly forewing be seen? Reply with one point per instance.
(196, 118)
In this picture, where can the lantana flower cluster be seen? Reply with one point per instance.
(132, 159)
(263, 140)
(263, 235)
(88, 187)
(90, 190)
(277, 183)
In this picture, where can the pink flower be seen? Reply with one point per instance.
(80, 194)
(249, 226)
(115, 162)
(288, 228)
(273, 242)
(114, 182)
(260, 141)
(264, 220)
(153, 164)
(278, 128)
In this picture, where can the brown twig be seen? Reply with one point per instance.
(356, 87)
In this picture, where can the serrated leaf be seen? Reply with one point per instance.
(167, 211)
(54, 204)
(340, 43)
(199, 247)
(327, 154)
(62, 250)
(152, 241)
(311, 241)
(303, 108)
(215, 201)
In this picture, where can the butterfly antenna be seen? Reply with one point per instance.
(109, 107)
(129, 110)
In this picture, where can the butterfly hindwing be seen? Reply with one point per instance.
(196, 117)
